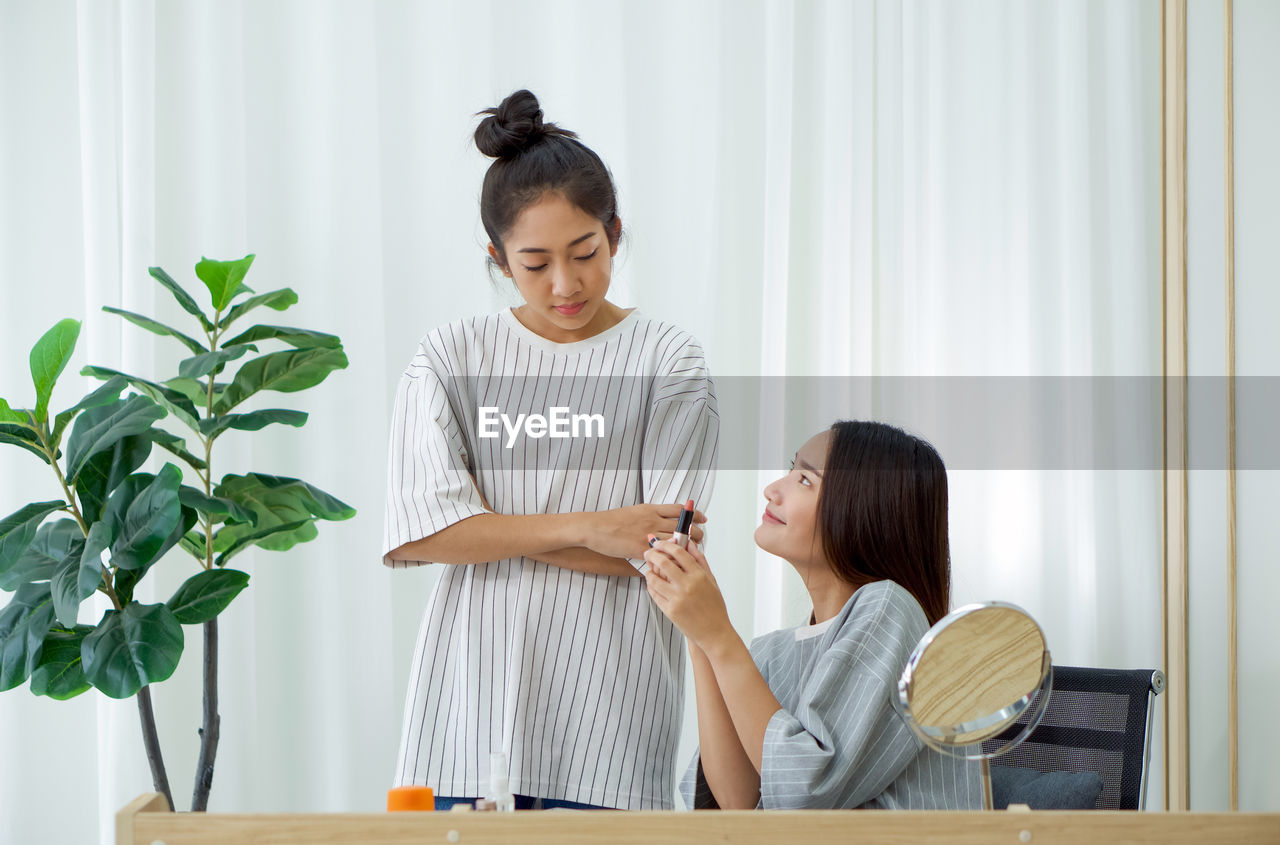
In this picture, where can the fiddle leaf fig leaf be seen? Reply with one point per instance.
(18, 529)
(285, 510)
(159, 328)
(206, 594)
(49, 357)
(298, 338)
(287, 371)
(107, 393)
(208, 362)
(98, 429)
(212, 506)
(224, 279)
(176, 446)
(252, 421)
(171, 400)
(193, 544)
(79, 574)
(52, 545)
(145, 512)
(277, 299)
(8, 415)
(60, 675)
(184, 299)
(105, 471)
(236, 538)
(24, 622)
(132, 648)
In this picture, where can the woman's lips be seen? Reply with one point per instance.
(768, 517)
(572, 309)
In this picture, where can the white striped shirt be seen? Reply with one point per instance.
(577, 677)
(838, 742)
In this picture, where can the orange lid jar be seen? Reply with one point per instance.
(410, 798)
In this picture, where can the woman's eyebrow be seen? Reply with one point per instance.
(572, 243)
(813, 469)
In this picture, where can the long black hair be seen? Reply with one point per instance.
(882, 512)
(534, 158)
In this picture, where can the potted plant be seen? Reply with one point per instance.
(114, 523)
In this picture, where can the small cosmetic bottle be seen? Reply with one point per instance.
(499, 783)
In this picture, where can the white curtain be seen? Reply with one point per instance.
(853, 190)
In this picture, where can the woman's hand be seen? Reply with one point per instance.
(681, 584)
(623, 532)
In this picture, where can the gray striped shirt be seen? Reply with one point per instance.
(838, 741)
(577, 677)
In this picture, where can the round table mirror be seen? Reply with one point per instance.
(973, 674)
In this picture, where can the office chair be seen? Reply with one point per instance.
(1098, 720)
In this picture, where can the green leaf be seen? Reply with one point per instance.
(288, 371)
(224, 279)
(23, 437)
(175, 445)
(18, 529)
(105, 471)
(144, 517)
(8, 415)
(171, 400)
(23, 625)
(193, 544)
(158, 328)
(132, 648)
(107, 393)
(195, 391)
(252, 421)
(277, 299)
(275, 501)
(299, 338)
(98, 429)
(184, 299)
(60, 675)
(212, 362)
(125, 580)
(219, 509)
(76, 577)
(234, 538)
(49, 358)
(53, 543)
(206, 594)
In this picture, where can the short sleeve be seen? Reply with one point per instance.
(429, 486)
(681, 434)
(844, 743)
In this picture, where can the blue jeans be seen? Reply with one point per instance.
(523, 802)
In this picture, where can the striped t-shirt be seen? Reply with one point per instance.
(577, 677)
(838, 742)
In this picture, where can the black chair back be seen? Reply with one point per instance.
(1098, 720)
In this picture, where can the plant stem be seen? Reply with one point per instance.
(211, 720)
(208, 733)
(152, 742)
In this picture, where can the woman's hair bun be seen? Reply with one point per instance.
(513, 126)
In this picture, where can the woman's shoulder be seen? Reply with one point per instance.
(885, 610)
(446, 348)
(665, 336)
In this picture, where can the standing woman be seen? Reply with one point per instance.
(540, 640)
(804, 719)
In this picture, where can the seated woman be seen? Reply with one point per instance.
(805, 719)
